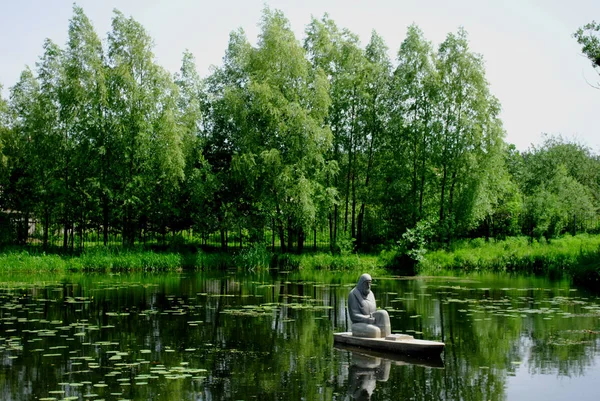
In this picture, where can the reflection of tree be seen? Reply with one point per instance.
(271, 336)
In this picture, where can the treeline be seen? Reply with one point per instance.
(286, 136)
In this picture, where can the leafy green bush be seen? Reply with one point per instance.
(415, 240)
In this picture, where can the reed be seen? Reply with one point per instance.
(326, 261)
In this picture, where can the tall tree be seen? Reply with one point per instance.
(84, 103)
(142, 101)
(4, 132)
(196, 190)
(468, 122)
(414, 96)
(338, 53)
(30, 175)
(374, 122)
(286, 137)
(225, 122)
(543, 175)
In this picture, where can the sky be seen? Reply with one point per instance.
(533, 64)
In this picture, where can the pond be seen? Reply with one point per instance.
(240, 336)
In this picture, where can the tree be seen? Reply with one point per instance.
(556, 205)
(197, 189)
(338, 54)
(470, 137)
(224, 123)
(541, 162)
(374, 126)
(84, 104)
(4, 129)
(563, 178)
(21, 192)
(285, 137)
(142, 101)
(589, 38)
(52, 141)
(414, 94)
(5, 134)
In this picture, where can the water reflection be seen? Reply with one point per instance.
(364, 373)
(222, 336)
(368, 367)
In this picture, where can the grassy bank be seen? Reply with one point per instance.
(111, 260)
(120, 260)
(578, 257)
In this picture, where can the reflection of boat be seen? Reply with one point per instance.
(433, 361)
(394, 343)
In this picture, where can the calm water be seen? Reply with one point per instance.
(228, 336)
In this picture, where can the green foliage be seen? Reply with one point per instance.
(555, 205)
(587, 36)
(569, 255)
(322, 138)
(415, 241)
(344, 245)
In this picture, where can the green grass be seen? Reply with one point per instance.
(111, 260)
(578, 256)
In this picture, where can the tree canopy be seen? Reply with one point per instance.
(286, 141)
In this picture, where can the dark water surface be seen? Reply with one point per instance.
(232, 336)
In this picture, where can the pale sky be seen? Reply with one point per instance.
(533, 64)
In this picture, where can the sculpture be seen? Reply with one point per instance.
(367, 321)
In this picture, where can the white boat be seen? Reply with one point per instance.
(394, 343)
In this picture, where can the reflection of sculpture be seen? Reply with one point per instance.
(364, 373)
(367, 321)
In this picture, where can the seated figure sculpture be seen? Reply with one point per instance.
(367, 321)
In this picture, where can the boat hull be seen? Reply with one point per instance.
(395, 343)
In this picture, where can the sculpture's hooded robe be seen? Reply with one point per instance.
(361, 302)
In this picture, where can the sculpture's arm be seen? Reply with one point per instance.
(355, 314)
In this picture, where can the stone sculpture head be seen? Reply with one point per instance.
(364, 284)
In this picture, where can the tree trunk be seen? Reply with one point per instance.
(223, 241)
(450, 206)
(272, 234)
(65, 233)
(422, 187)
(46, 227)
(359, 235)
(353, 222)
(335, 225)
(280, 228)
(443, 193)
(350, 175)
(300, 240)
(290, 237)
(105, 219)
